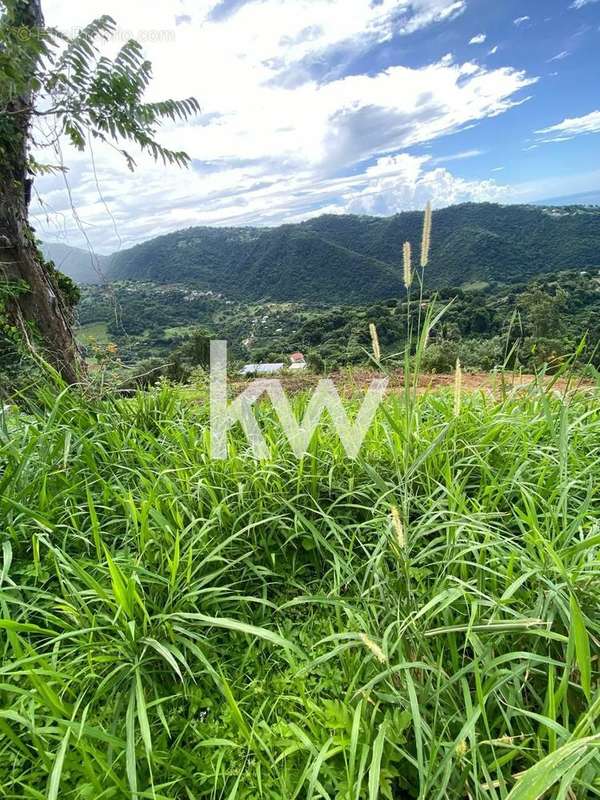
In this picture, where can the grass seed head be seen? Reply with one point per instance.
(408, 273)
(375, 342)
(398, 527)
(374, 648)
(426, 239)
(462, 749)
(458, 380)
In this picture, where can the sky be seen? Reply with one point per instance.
(339, 106)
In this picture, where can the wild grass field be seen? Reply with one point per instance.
(417, 623)
(421, 623)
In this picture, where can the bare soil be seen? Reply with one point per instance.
(353, 381)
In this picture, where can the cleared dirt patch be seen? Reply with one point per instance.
(349, 382)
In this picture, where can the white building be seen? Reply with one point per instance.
(261, 369)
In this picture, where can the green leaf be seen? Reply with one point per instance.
(130, 757)
(537, 780)
(582, 647)
(375, 768)
(54, 783)
(241, 627)
(142, 713)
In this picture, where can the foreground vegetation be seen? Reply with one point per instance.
(420, 623)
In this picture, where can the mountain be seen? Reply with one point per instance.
(289, 263)
(357, 259)
(479, 241)
(80, 265)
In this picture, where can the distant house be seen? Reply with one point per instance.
(261, 369)
(297, 361)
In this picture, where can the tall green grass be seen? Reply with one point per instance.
(176, 627)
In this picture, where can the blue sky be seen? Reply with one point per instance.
(552, 41)
(342, 106)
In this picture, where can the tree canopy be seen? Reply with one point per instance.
(55, 89)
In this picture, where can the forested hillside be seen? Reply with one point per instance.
(351, 259)
(291, 263)
(539, 321)
(478, 241)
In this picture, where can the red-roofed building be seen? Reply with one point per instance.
(297, 361)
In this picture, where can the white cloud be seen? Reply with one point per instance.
(427, 12)
(581, 3)
(571, 127)
(398, 183)
(277, 128)
(521, 21)
(493, 51)
(458, 156)
(559, 56)
(479, 39)
(167, 201)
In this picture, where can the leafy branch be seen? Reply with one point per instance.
(86, 93)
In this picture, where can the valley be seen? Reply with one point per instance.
(482, 325)
(519, 281)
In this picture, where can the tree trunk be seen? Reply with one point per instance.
(32, 300)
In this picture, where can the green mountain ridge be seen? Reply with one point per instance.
(357, 259)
